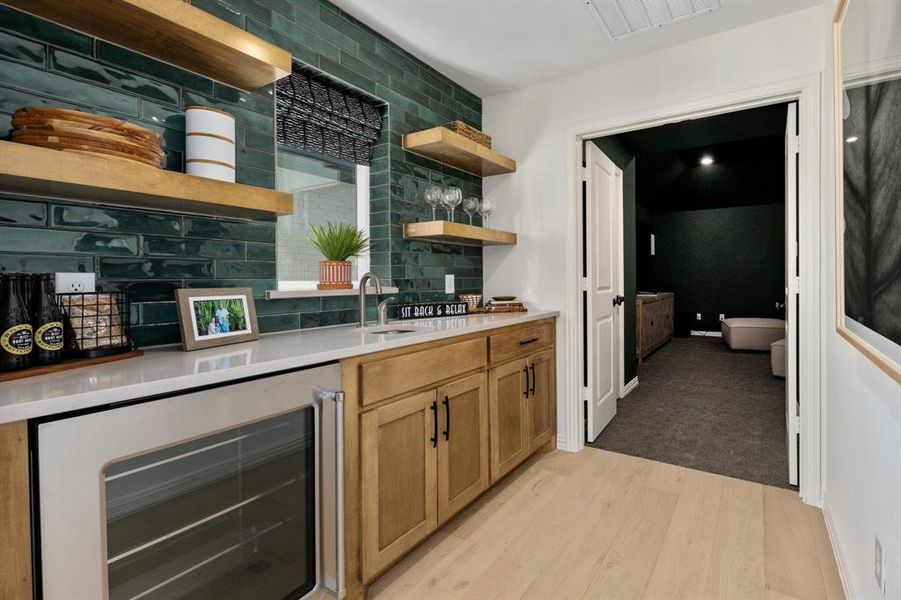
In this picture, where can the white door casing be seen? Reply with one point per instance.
(603, 207)
(806, 90)
(792, 409)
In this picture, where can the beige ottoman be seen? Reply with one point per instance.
(777, 358)
(752, 334)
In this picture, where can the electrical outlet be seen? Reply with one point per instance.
(698, 318)
(448, 284)
(722, 317)
(74, 283)
(879, 566)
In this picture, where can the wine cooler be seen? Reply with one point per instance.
(232, 492)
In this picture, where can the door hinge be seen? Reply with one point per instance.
(586, 394)
(794, 425)
(794, 285)
(585, 283)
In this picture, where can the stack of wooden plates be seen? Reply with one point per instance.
(78, 131)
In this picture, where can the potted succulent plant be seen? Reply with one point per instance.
(337, 242)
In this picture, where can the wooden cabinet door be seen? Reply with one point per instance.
(462, 443)
(509, 415)
(542, 399)
(398, 460)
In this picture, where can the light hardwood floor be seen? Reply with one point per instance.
(602, 525)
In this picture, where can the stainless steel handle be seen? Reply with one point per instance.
(334, 583)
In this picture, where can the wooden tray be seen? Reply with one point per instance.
(86, 129)
(479, 137)
(89, 139)
(75, 363)
(73, 130)
(90, 150)
(31, 115)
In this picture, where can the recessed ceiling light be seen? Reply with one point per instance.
(707, 160)
(622, 18)
(851, 139)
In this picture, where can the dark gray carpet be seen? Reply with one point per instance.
(702, 406)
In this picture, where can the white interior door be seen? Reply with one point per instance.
(603, 226)
(792, 409)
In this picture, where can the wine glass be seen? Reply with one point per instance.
(471, 206)
(451, 197)
(485, 209)
(433, 198)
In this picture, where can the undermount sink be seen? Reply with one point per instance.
(393, 330)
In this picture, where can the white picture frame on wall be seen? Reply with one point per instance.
(870, 325)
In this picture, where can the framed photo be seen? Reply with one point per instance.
(216, 317)
(867, 69)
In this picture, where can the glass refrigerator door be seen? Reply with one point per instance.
(227, 516)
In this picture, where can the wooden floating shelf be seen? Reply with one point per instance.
(450, 148)
(92, 178)
(457, 233)
(175, 32)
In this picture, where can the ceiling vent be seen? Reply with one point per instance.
(622, 18)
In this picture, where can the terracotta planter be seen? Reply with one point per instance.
(334, 275)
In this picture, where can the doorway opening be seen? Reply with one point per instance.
(690, 295)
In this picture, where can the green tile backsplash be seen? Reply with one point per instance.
(150, 254)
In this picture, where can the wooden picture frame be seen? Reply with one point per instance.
(879, 349)
(216, 317)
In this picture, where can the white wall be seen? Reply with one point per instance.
(531, 125)
(862, 405)
(862, 415)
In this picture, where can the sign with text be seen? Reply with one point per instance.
(432, 310)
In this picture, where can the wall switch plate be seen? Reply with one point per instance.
(74, 283)
(879, 566)
(448, 284)
(722, 317)
(698, 317)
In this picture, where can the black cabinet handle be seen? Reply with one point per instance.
(434, 438)
(532, 389)
(526, 371)
(446, 404)
(528, 341)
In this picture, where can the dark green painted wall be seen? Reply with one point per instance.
(152, 253)
(625, 160)
(726, 260)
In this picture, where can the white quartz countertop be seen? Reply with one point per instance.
(168, 370)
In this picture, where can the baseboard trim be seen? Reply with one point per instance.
(562, 444)
(707, 333)
(629, 387)
(843, 574)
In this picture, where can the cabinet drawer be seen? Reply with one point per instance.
(389, 377)
(520, 342)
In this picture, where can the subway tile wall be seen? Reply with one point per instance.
(150, 254)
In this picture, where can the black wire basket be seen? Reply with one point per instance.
(97, 323)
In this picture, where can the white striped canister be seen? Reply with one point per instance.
(210, 143)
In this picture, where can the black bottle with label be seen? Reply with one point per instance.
(15, 325)
(47, 321)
